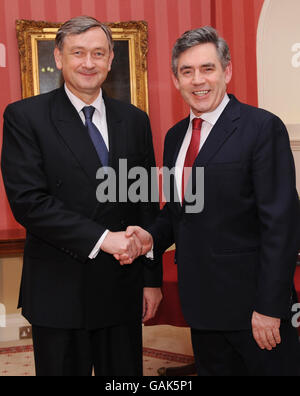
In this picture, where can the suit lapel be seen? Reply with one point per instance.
(117, 133)
(171, 155)
(222, 130)
(225, 126)
(75, 135)
(179, 137)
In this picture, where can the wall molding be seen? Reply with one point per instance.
(295, 144)
(294, 133)
(12, 242)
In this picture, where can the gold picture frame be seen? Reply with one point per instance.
(131, 39)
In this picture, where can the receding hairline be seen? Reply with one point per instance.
(86, 31)
(204, 63)
(197, 37)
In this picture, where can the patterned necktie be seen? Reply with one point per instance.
(191, 154)
(95, 135)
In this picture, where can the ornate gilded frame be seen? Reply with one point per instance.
(135, 32)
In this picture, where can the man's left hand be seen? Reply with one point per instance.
(266, 331)
(152, 299)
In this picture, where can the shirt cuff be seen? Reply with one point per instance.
(150, 254)
(96, 250)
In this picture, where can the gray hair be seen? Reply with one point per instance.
(204, 35)
(80, 25)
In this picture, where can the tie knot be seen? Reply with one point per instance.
(197, 123)
(88, 112)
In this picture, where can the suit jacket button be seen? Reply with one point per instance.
(58, 183)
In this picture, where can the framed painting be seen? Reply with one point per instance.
(127, 81)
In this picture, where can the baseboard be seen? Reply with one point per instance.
(11, 330)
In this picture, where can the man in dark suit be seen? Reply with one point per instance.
(236, 257)
(86, 310)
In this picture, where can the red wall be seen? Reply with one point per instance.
(236, 21)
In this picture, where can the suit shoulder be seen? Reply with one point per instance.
(32, 103)
(258, 114)
(263, 124)
(177, 128)
(126, 109)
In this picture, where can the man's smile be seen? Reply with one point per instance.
(201, 93)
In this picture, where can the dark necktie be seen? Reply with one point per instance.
(95, 135)
(191, 154)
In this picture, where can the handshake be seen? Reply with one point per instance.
(127, 245)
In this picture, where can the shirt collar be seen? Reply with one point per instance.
(213, 116)
(79, 104)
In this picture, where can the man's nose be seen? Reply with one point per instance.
(198, 78)
(88, 61)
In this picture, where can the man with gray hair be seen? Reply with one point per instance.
(236, 259)
(85, 309)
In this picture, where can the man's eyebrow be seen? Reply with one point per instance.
(100, 48)
(209, 64)
(188, 67)
(185, 67)
(78, 47)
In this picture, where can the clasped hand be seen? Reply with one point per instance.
(127, 246)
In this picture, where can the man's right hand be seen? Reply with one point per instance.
(120, 245)
(145, 239)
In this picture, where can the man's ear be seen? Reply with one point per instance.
(111, 58)
(175, 81)
(228, 73)
(58, 58)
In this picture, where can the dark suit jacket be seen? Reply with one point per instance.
(49, 167)
(239, 254)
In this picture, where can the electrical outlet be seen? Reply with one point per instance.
(25, 332)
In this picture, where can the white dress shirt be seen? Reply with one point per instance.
(99, 119)
(209, 120)
(99, 116)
